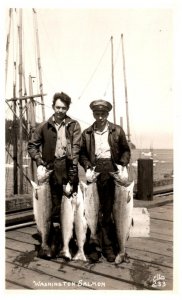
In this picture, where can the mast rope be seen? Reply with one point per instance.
(28, 179)
(95, 70)
(110, 76)
(17, 117)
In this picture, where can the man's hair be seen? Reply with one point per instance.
(63, 97)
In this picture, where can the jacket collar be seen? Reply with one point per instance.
(67, 120)
(111, 127)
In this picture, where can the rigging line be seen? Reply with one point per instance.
(7, 110)
(69, 115)
(16, 116)
(92, 75)
(8, 158)
(26, 106)
(110, 76)
(19, 167)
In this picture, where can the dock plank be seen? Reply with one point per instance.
(133, 253)
(151, 246)
(11, 285)
(123, 273)
(146, 244)
(161, 226)
(149, 258)
(34, 280)
(161, 236)
(161, 216)
(62, 271)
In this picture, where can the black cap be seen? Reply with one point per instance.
(101, 105)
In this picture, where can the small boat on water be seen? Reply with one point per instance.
(148, 154)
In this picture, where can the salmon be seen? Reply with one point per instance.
(42, 208)
(67, 218)
(122, 214)
(72, 214)
(91, 205)
(80, 226)
(122, 174)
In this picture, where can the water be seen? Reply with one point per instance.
(162, 162)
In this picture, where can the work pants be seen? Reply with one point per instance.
(57, 179)
(106, 190)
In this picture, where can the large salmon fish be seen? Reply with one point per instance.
(122, 213)
(42, 206)
(72, 214)
(91, 205)
(80, 226)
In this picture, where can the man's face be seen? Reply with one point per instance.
(60, 109)
(100, 117)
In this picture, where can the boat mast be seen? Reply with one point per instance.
(20, 104)
(39, 64)
(126, 94)
(7, 46)
(15, 139)
(15, 150)
(32, 123)
(113, 95)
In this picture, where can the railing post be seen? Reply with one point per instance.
(145, 179)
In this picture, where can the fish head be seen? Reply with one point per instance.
(121, 175)
(91, 175)
(45, 176)
(96, 174)
(67, 189)
(79, 196)
(119, 179)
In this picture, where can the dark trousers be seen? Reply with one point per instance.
(106, 189)
(57, 179)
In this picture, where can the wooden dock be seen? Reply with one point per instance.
(150, 266)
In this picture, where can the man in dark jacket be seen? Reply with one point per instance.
(55, 144)
(104, 145)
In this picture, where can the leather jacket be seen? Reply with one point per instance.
(45, 137)
(120, 151)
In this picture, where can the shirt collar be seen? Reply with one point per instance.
(57, 124)
(106, 128)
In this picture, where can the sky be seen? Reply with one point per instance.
(75, 53)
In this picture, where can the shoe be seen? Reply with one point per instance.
(109, 254)
(44, 253)
(110, 257)
(95, 256)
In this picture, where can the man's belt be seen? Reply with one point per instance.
(105, 165)
(60, 158)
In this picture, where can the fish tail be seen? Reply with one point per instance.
(122, 257)
(65, 253)
(80, 255)
(119, 258)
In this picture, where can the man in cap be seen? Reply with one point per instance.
(55, 144)
(104, 145)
